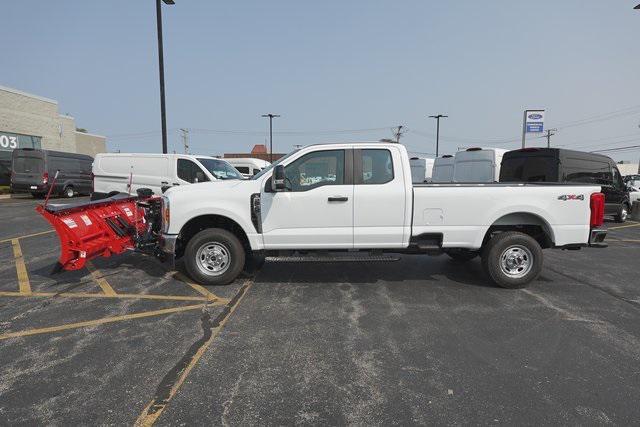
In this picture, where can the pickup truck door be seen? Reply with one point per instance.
(316, 211)
(379, 199)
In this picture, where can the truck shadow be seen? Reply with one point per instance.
(428, 270)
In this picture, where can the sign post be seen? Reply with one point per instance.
(532, 122)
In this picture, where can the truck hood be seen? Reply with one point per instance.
(213, 188)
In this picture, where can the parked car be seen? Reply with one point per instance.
(248, 166)
(113, 171)
(478, 165)
(443, 169)
(33, 171)
(569, 166)
(421, 169)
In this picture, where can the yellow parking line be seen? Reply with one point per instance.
(157, 405)
(200, 289)
(100, 280)
(623, 240)
(27, 235)
(115, 296)
(637, 224)
(96, 322)
(23, 277)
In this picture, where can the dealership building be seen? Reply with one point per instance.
(31, 121)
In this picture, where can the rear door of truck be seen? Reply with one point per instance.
(379, 198)
(28, 168)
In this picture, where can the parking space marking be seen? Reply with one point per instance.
(637, 224)
(100, 280)
(26, 236)
(170, 385)
(21, 268)
(97, 322)
(116, 296)
(199, 288)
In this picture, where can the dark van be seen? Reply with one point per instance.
(33, 171)
(559, 165)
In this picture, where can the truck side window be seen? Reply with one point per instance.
(189, 171)
(377, 166)
(243, 169)
(315, 170)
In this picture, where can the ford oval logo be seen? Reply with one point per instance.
(535, 116)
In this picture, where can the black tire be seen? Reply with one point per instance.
(518, 250)
(623, 213)
(220, 243)
(68, 192)
(461, 255)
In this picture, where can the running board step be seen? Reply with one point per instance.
(375, 258)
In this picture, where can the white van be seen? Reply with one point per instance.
(443, 169)
(421, 169)
(248, 166)
(478, 165)
(112, 171)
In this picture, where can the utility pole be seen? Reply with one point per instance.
(271, 116)
(398, 133)
(438, 117)
(550, 133)
(185, 139)
(163, 109)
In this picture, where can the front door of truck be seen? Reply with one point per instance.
(316, 210)
(380, 208)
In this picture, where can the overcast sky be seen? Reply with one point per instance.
(332, 66)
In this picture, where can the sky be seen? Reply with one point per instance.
(334, 70)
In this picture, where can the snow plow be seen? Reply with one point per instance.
(104, 227)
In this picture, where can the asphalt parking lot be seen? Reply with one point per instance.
(416, 341)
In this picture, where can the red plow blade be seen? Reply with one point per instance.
(96, 229)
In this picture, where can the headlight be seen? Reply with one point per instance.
(166, 214)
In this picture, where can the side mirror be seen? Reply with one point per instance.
(277, 182)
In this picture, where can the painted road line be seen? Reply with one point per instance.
(100, 280)
(97, 322)
(637, 224)
(21, 268)
(200, 289)
(26, 236)
(172, 382)
(116, 296)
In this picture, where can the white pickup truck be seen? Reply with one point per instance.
(360, 197)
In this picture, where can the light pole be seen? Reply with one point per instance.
(271, 116)
(163, 110)
(438, 117)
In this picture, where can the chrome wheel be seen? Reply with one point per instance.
(623, 214)
(69, 192)
(213, 259)
(516, 261)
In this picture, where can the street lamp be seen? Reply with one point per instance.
(438, 117)
(163, 110)
(271, 116)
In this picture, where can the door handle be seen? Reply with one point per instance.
(176, 183)
(338, 199)
(164, 182)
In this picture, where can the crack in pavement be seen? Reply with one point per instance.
(173, 379)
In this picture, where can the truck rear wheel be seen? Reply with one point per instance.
(512, 259)
(214, 257)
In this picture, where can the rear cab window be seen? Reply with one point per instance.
(28, 164)
(377, 167)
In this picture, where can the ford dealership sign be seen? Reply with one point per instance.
(535, 121)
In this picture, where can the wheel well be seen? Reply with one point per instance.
(199, 223)
(523, 222)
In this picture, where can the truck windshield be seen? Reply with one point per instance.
(277, 162)
(220, 169)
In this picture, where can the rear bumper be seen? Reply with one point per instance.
(29, 188)
(596, 238)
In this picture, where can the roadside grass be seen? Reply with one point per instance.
(4, 189)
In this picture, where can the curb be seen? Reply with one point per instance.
(5, 196)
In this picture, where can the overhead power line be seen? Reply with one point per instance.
(627, 148)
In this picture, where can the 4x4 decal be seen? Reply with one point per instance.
(566, 197)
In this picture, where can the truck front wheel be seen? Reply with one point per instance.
(512, 259)
(214, 257)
